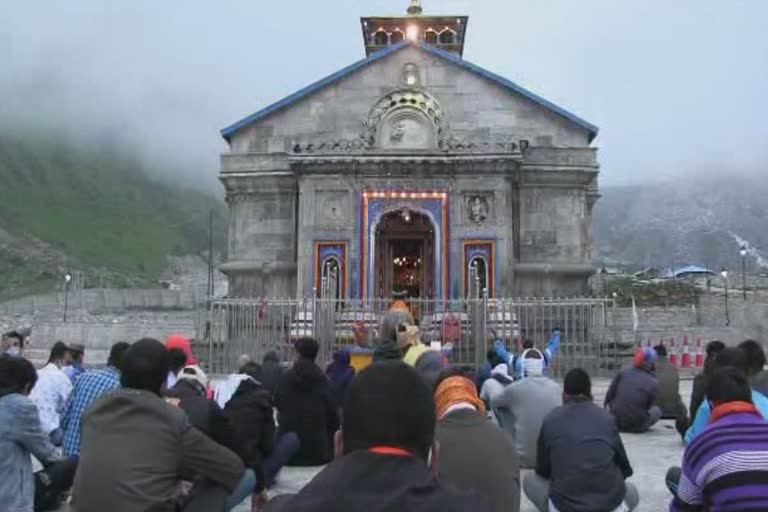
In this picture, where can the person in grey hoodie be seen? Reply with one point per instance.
(522, 406)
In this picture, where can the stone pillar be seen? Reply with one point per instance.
(261, 259)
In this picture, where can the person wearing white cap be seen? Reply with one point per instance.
(521, 407)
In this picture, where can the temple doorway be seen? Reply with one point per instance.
(405, 255)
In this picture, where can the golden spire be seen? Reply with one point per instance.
(415, 8)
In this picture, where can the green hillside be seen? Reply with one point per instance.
(99, 209)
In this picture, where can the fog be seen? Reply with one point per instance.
(675, 87)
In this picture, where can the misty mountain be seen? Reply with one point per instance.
(698, 220)
(66, 206)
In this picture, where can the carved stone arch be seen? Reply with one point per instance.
(408, 105)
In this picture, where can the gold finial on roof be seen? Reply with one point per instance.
(415, 8)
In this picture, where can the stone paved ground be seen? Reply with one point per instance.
(650, 454)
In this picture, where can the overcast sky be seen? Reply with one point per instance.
(675, 86)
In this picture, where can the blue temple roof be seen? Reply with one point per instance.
(335, 77)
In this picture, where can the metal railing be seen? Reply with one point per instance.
(465, 328)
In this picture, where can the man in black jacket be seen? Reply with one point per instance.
(272, 372)
(305, 405)
(382, 453)
(581, 463)
(205, 415)
(631, 396)
(251, 415)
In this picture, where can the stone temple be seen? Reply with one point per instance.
(412, 169)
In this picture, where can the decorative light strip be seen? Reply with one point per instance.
(404, 194)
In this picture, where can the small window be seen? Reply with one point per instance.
(330, 286)
(396, 36)
(380, 38)
(430, 36)
(447, 36)
(478, 277)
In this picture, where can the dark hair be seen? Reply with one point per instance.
(376, 412)
(755, 356)
(145, 366)
(271, 356)
(17, 335)
(58, 351)
(17, 375)
(533, 354)
(177, 359)
(527, 343)
(728, 384)
(714, 347)
(661, 350)
(251, 369)
(731, 356)
(307, 348)
(577, 383)
(453, 371)
(117, 353)
(493, 358)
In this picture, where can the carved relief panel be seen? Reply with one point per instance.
(332, 208)
(479, 208)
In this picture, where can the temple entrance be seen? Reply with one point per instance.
(405, 255)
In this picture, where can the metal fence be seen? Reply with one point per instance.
(465, 328)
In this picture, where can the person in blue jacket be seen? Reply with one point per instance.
(736, 358)
(515, 362)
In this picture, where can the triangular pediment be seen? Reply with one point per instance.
(442, 90)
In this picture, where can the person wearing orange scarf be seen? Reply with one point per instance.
(457, 392)
(474, 454)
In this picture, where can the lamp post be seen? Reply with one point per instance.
(724, 274)
(603, 271)
(743, 252)
(67, 280)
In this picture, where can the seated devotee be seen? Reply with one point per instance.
(385, 345)
(581, 462)
(725, 469)
(21, 437)
(497, 380)
(136, 446)
(51, 392)
(177, 360)
(736, 358)
(428, 362)
(12, 344)
(515, 361)
(340, 373)
(668, 399)
(758, 377)
(89, 386)
(633, 392)
(272, 371)
(385, 455)
(189, 394)
(700, 380)
(522, 406)
(306, 407)
(469, 441)
(250, 413)
(184, 344)
(76, 366)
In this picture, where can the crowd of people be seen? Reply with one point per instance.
(409, 432)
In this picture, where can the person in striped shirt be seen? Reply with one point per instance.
(725, 469)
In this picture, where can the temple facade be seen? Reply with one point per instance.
(412, 169)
